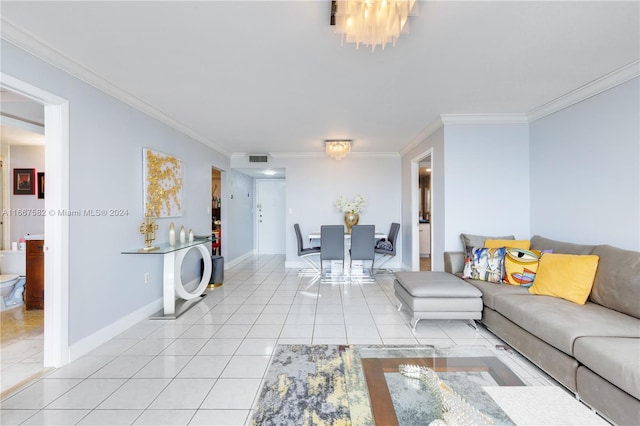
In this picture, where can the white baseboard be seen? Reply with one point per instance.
(238, 260)
(91, 342)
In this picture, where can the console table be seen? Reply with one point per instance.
(172, 285)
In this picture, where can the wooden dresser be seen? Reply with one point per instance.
(34, 289)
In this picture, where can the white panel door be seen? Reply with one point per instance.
(270, 208)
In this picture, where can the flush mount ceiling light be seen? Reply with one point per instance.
(269, 172)
(337, 148)
(371, 22)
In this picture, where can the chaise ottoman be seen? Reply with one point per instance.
(437, 295)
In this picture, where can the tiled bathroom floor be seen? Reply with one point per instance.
(206, 367)
(21, 334)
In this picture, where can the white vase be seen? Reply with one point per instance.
(183, 237)
(190, 235)
(172, 235)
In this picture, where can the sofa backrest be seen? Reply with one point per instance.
(541, 243)
(617, 282)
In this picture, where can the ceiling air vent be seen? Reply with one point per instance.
(259, 158)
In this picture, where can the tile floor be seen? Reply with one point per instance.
(206, 367)
(22, 346)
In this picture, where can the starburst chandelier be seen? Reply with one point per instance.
(371, 22)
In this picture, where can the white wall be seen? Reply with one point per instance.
(585, 170)
(105, 156)
(25, 157)
(486, 181)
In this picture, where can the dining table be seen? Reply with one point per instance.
(347, 237)
(343, 269)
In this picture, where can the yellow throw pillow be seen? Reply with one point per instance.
(521, 244)
(568, 276)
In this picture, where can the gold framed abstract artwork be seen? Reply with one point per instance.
(163, 180)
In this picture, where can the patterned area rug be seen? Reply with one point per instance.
(305, 385)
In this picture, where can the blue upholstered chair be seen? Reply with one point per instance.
(362, 244)
(331, 243)
(306, 253)
(385, 251)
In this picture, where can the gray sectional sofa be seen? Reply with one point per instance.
(592, 349)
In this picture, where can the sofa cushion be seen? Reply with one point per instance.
(434, 284)
(569, 276)
(490, 291)
(616, 359)
(541, 243)
(559, 322)
(617, 282)
(469, 241)
(521, 244)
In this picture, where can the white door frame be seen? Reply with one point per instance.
(56, 224)
(415, 207)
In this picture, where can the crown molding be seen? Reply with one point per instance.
(27, 41)
(515, 118)
(302, 155)
(298, 154)
(423, 134)
(599, 85)
(448, 119)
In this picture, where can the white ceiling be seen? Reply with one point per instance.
(21, 120)
(270, 76)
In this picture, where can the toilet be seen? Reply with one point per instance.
(12, 278)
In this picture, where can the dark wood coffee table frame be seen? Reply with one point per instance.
(380, 398)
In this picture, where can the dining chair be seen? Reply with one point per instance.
(387, 250)
(362, 245)
(331, 243)
(306, 254)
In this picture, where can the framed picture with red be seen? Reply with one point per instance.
(40, 184)
(24, 181)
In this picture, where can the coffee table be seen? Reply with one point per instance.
(379, 394)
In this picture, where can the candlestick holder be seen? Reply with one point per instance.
(148, 229)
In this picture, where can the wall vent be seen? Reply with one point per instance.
(258, 158)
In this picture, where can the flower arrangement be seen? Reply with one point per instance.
(355, 206)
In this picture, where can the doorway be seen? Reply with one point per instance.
(22, 319)
(424, 213)
(270, 217)
(216, 211)
(56, 227)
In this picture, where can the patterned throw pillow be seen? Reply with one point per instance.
(384, 245)
(485, 264)
(521, 265)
